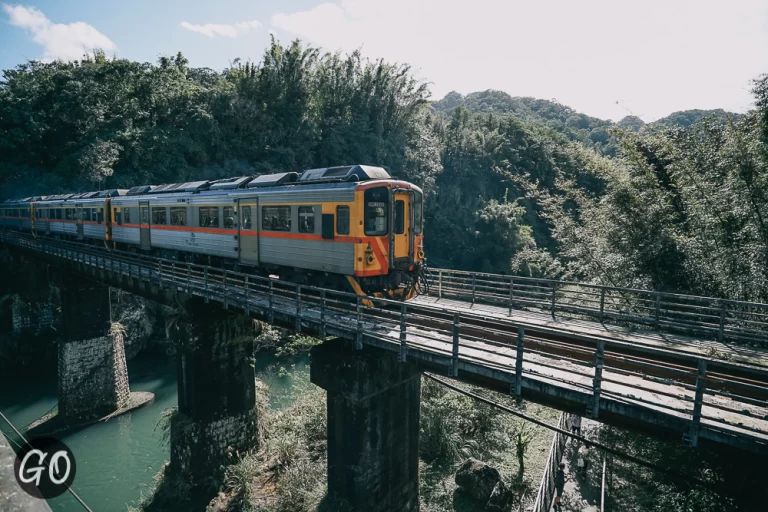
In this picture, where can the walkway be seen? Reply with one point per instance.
(582, 494)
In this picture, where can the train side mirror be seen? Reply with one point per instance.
(328, 223)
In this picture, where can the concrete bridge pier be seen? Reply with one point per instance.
(373, 426)
(217, 416)
(92, 374)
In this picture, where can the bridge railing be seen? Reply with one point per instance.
(468, 342)
(546, 493)
(722, 319)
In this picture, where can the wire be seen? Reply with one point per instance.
(71, 491)
(586, 441)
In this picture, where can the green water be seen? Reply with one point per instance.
(117, 460)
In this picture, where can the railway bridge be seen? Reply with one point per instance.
(678, 365)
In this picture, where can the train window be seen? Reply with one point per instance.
(127, 215)
(144, 214)
(306, 219)
(247, 223)
(229, 217)
(376, 218)
(178, 216)
(418, 212)
(159, 216)
(118, 218)
(86, 214)
(276, 218)
(70, 213)
(342, 220)
(209, 216)
(399, 217)
(99, 215)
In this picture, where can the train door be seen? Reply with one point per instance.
(144, 242)
(248, 211)
(79, 220)
(401, 234)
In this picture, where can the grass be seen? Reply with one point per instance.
(454, 426)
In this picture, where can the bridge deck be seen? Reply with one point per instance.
(594, 370)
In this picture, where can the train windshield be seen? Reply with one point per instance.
(418, 216)
(376, 209)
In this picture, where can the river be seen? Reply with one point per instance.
(117, 459)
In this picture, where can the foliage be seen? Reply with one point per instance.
(549, 113)
(725, 480)
(288, 472)
(684, 210)
(116, 123)
(453, 426)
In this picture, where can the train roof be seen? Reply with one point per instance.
(346, 176)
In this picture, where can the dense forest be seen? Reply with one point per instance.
(514, 185)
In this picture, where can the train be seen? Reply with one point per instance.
(352, 227)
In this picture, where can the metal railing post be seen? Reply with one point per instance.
(511, 293)
(403, 347)
(721, 332)
(298, 308)
(226, 289)
(359, 330)
(322, 315)
(658, 308)
(698, 401)
(519, 361)
(554, 295)
(440, 284)
(602, 304)
(271, 316)
(602, 489)
(206, 293)
(597, 380)
(474, 277)
(189, 279)
(455, 360)
(247, 307)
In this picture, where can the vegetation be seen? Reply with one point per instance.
(712, 479)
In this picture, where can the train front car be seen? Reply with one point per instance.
(388, 220)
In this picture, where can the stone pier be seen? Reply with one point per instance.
(217, 416)
(92, 374)
(373, 426)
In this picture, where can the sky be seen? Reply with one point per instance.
(606, 58)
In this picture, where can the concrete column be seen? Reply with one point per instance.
(217, 412)
(373, 426)
(92, 374)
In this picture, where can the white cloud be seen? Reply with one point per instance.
(59, 41)
(215, 29)
(602, 57)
